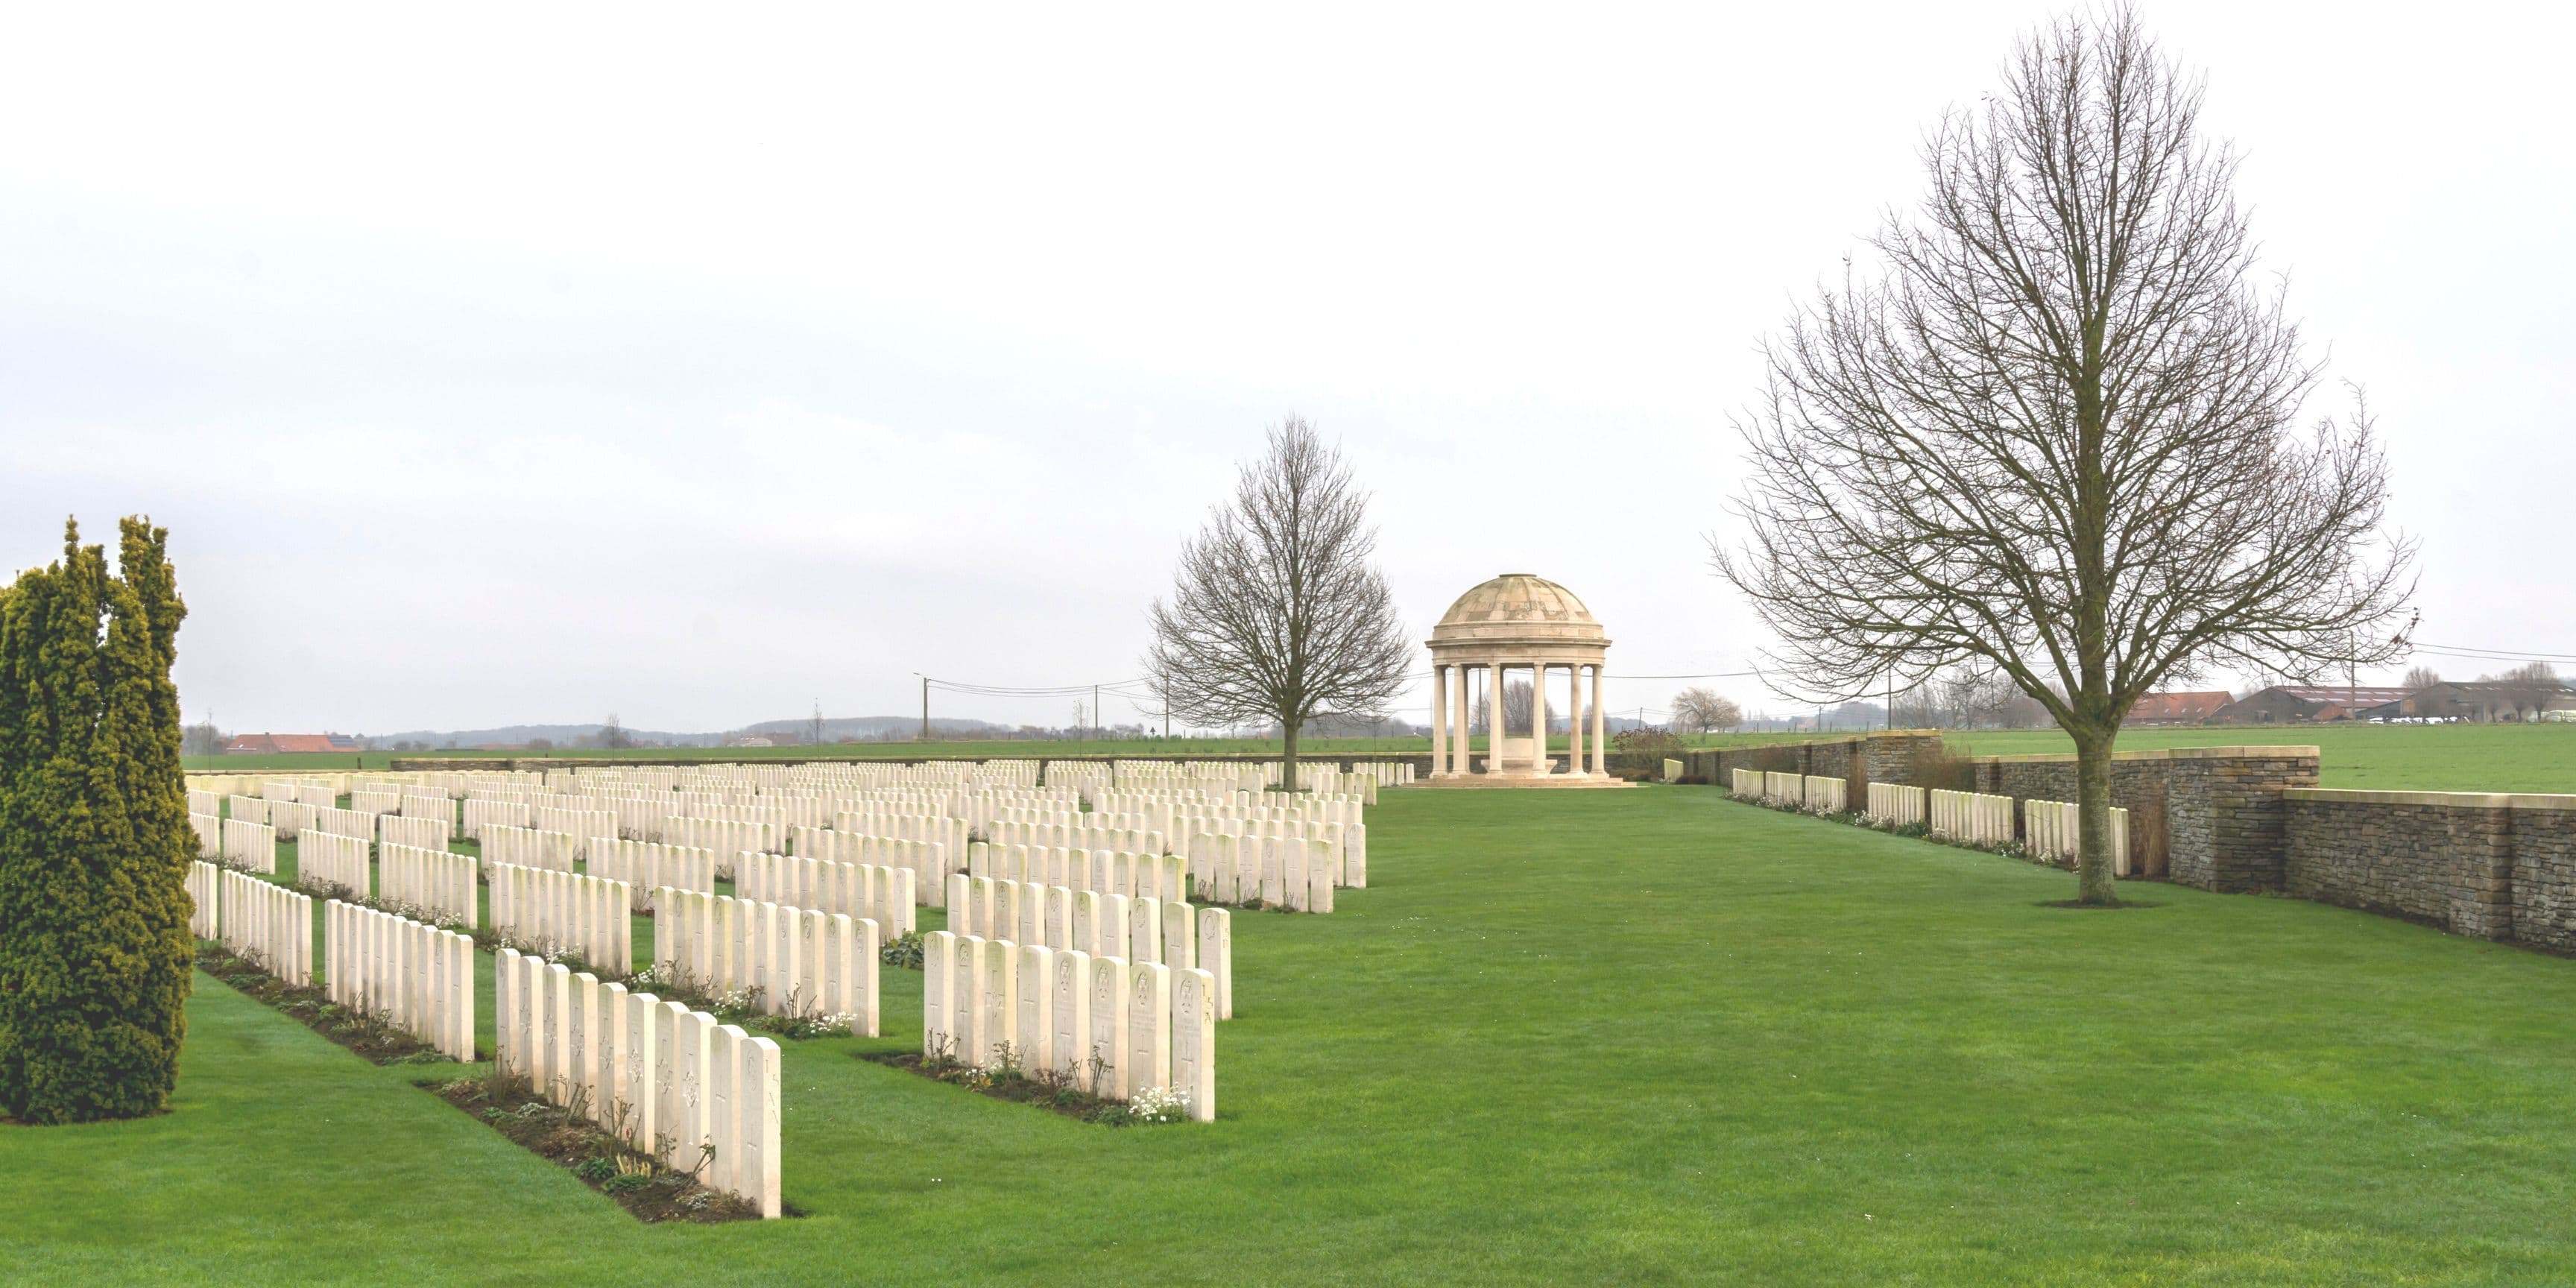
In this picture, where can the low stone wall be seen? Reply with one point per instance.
(2250, 819)
(2488, 866)
(2210, 817)
(1860, 760)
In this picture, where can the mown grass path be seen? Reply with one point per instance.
(1616, 1037)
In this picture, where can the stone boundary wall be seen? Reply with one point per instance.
(2210, 817)
(1899, 757)
(2499, 867)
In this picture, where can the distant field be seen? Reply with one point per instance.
(842, 751)
(2427, 758)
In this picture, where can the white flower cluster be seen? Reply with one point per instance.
(1160, 1105)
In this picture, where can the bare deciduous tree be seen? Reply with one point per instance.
(1702, 710)
(201, 739)
(1277, 614)
(2059, 433)
(2420, 678)
(2529, 689)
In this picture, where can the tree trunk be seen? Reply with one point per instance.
(1288, 767)
(2093, 822)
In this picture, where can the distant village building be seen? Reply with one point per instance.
(2178, 708)
(2476, 701)
(273, 744)
(2305, 704)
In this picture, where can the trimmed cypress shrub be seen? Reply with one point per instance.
(94, 837)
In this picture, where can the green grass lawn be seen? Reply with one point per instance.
(1606, 1037)
(2426, 758)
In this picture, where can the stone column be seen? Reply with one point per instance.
(1538, 717)
(1600, 745)
(1439, 721)
(1460, 707)
(1573, 718)
(1493, 716)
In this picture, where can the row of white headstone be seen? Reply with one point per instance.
(881, 894)
(480, 813)
(528, 848)
(916, 820)
(411, 976)
(647, 866)
(1277, 872)
(204, 879)
(428, 804)
(1974, 817)
(700, 1097)
(583, 825)
(268, 925)
(1895, 805)
(290, 818)
(554, 913)
(325, 859)
(724, 837)
(1066, 834)
(928, 861)
(345, 822)
(210, 834)
(1112, 1027)
(250, 845)
(1164, 876)
(787, 960)
(309, 793)
(2055, 830)
(1141, 928)
(423, 833)
(438, 883)
(1814, 793)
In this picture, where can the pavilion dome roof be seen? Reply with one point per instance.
(1519, 608)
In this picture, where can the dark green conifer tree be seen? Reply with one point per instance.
(94, 836)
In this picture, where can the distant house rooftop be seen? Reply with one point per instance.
(2177, 708)
(2305, 703)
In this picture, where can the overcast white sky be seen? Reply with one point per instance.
(494, 366)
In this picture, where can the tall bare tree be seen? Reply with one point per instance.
(2058, 434)
(1703, 710)
(2420, 678)
(1277, 613)
(2530, 689)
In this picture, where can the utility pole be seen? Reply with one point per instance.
(1096, 717)
(925, 708)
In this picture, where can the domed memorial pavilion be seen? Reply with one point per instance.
(1517, 622)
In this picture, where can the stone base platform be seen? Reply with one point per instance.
(1488, 782)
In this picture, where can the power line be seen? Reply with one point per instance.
(1123, 688)
(2491, 654)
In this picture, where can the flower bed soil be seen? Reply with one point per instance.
(314, 1009)
(1013, 1086)
(648, 1191)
